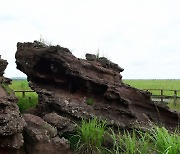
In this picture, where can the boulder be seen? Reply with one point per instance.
(63, 124)
(76, 88)
(91, 57)
(41, 138)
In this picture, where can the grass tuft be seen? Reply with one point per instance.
(135, 142)
(157, 140)
(89, 101)
(165, 142)
(90, 136)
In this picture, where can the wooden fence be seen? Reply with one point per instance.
(23, 92)
(161, 94)
(175, 94)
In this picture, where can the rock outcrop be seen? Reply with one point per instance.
(11, 122)
(75, 88)
(3, 65)
(27, 134)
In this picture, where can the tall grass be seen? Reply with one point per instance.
(136, 142)
(29, 101)
(89, 137)
(165, 142)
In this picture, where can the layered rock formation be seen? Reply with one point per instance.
(11, 122)
(76, 88)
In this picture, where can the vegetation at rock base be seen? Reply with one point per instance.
(90, 138)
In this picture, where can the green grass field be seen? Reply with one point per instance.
(156, 84)
(20, 85)
(159, 84)
(30, 99)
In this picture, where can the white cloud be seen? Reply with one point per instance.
(141, 36)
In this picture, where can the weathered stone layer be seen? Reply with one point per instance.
(76, 88)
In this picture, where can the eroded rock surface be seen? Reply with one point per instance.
(63, 124)
(41, 137)
(3, 65)
(76, 88)
(11, 122)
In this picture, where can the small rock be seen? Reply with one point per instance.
(90, 57)
(63, 124)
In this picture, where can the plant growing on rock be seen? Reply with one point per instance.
(89, 101)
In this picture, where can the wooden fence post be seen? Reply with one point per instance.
(23, 94)
(161, 95)
(175, 97)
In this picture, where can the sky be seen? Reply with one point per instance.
(141, 36)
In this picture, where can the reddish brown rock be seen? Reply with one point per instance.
(41, 137)
(63, 124)
(3, 65)
(77, 88)
(11, 122)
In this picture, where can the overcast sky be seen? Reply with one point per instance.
(142, 36)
